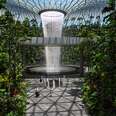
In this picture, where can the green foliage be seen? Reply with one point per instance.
(99, 90)
(2, 3)
(3, 61)
(12, 98)
(13, 106)
(70, 54)
(111, 3)
(111, 20)
(12, 88)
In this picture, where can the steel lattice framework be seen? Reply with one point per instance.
(64, 5)
(74, 9)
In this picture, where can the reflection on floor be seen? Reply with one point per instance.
(60, 101)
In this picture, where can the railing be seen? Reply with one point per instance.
(52, 41)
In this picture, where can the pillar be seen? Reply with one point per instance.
(48, 83)
(59, 82)
(54, 84)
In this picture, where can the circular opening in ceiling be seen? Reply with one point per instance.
(52, 14)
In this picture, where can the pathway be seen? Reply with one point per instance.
(61, 101)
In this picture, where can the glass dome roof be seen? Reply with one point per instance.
(73, 8)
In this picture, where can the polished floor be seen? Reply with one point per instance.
(58, 101)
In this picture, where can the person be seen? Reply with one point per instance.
(37, 93)
(40, 80)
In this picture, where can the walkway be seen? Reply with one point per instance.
(61, 101)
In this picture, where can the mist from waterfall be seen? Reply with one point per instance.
(52, 22)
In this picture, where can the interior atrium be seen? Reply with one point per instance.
(57, 57)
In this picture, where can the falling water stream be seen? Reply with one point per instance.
(52, 22)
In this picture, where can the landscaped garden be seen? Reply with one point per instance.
(97, 52)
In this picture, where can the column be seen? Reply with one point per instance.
(48, 83)
(59, 82)
(54, 84)
(45, 82)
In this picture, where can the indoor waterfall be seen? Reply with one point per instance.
(52, 22)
